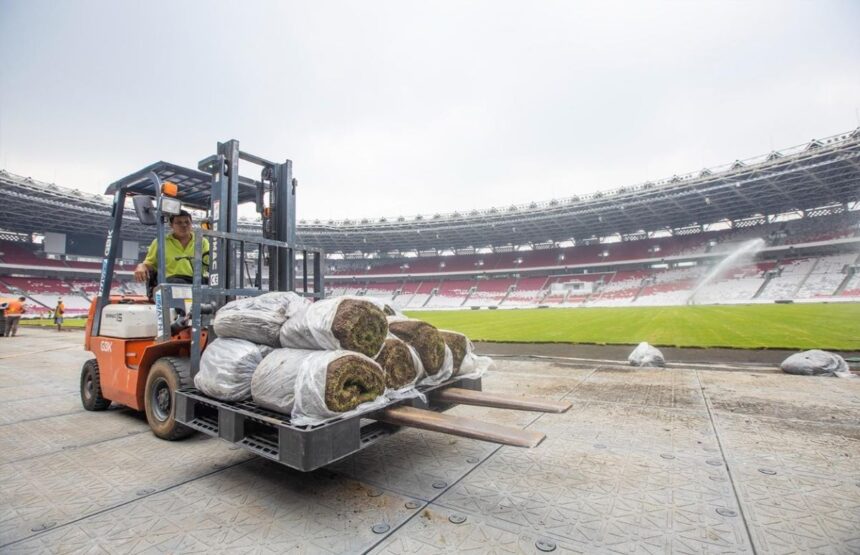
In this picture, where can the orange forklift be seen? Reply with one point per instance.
(147, 347)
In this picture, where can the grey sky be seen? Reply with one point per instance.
(400, 108)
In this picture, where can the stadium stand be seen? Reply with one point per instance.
(450, 293)
(591, 250)
(615, 282)
(18, 254)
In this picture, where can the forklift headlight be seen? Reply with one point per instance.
(170, 206)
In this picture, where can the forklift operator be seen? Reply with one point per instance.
(179, 252)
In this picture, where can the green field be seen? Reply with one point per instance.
(49, 322)
(788, 326)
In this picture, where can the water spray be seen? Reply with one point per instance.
(745, 249)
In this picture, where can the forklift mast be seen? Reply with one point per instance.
(276, 204)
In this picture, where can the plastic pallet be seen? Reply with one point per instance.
(271, 435)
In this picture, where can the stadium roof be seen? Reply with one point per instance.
(818, 174)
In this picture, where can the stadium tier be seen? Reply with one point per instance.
(656, 243)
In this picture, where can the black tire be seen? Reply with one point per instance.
(91, 387)
(166, 376)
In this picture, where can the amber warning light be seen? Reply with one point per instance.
(169, 188)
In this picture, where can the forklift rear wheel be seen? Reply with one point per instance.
(166, 376)
(91, 387)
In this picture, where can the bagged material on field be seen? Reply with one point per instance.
(424, 338)
(400, 363)
(350, 323)
(258, 319)
(226, 367)
(466, 363)
(816, 363)
(317, 386)
(644, 355)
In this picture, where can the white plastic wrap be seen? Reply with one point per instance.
(310, 327)
(273, 385)
(473, 366)
(258, 319)
(644, 355)
(397, 317)
(816, 363)
(294, 380)
(443, 374)
(226, 367)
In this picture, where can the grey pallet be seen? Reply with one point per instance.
(271, 435)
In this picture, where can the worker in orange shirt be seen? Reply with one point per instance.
(14, 310)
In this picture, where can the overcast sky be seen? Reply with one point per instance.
(400, 108)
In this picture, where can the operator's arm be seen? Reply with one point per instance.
(150, 263)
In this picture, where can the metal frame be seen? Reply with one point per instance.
(112, 245)
(823, 174)
(201, 293)
(816, 174)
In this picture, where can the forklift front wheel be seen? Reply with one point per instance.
(166, 376)
(91, 387)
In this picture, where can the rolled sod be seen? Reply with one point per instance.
(351, 381)
(425, 339)
(397, 363)
(360, 326)
(458, 343)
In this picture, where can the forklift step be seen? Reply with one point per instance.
(460, 426)
(484, 399)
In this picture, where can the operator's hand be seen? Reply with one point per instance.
(141, 272)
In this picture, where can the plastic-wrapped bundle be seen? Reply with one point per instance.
(424, 338)
(466, 362)
(258, 319)
(444, 372)
(400, 363)
(644, 355)
(316, 386)
(816, 363)
(350, 323)
(226, 367)
(459, 344)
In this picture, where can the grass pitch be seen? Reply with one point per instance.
(773, 326)
(49, 322)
